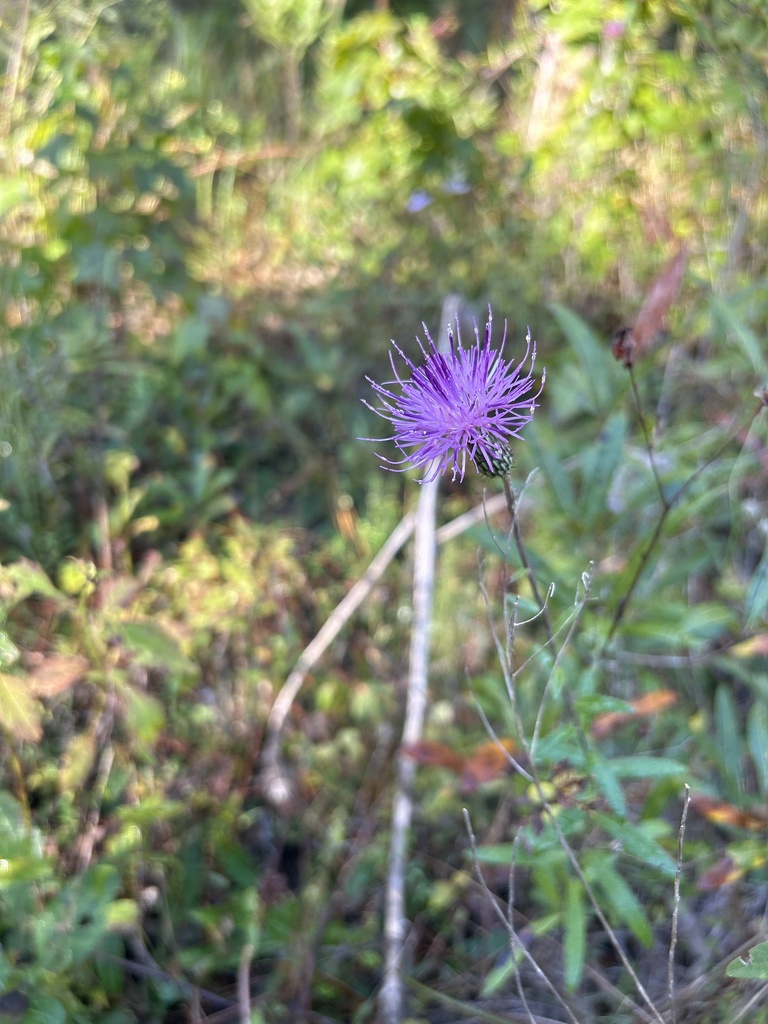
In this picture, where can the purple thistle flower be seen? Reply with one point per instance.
(467, 402)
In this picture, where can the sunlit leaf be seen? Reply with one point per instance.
(20, 712)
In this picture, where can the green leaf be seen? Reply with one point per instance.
(753, 966)
(154, 647)
(707, 621)
(190, 339)
(636, 841)
(28, 578)
(643, 766)
(756, 602)
(593, 355)
(46, 1010)
(724, 312)
(575, 937)
(496, 853)
(145, 715)
(599, 464)
(757, 741)
(607, 780)
(548, 462)
(728, 738)
(622, 901)
(13, 190)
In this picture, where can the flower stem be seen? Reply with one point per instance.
(518, 538)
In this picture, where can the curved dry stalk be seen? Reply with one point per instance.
(277, 787)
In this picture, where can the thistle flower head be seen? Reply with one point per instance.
(465, 403)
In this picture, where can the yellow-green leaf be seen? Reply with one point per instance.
(20, 712)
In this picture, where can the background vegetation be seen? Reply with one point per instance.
(213, 218)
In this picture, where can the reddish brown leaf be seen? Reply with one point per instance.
(488, 762)
(652, 703)
(722, 813)
(630, 343)
(429, 752)
(725, 872)
(56, 674)
(658, 300)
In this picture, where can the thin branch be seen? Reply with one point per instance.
(676, 907)
(586, 579)
(512, 505)
(244, 983)
(533, 774)
(276, 786)
(511, 924)
(13, 68)
(152, 970)
(667, 506)
(646, 433)
(514, 938)
(612, 937)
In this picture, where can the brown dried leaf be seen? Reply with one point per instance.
(725, 872)
(649, 704)
(488, 762)
(658, 301)
(57, 673)
(722, 813)
(429, 752)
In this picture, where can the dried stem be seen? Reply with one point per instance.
(276, 784)
(676, 907)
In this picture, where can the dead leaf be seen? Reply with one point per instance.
(485, 763)
(429, 752)
(630, 343)
(725, 872)
(649, 704)
(720, 812)
(57, 673)
(488, 762)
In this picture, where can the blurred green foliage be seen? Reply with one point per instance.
(213, 217)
